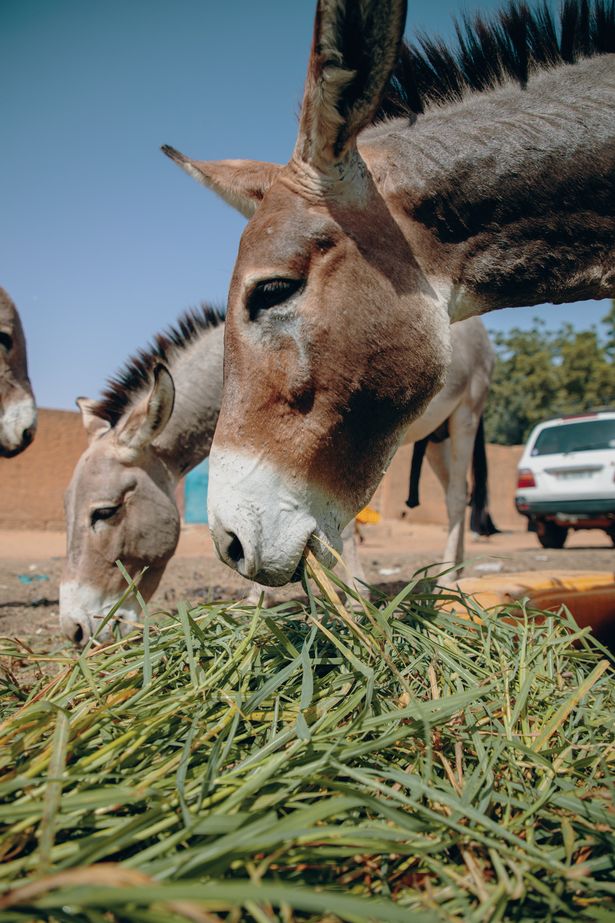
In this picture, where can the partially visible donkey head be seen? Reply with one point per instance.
(335, 338)
(17, 407)
(120, 504)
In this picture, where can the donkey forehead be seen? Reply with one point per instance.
(100, 468)
(289, 227)
(283, 230)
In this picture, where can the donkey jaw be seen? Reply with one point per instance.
(262, 520)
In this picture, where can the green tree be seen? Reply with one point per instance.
(541, 374)
(609, 323)
(524, 384)
(584, 372)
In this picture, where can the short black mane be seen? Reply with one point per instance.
(489, 51)
(136, 374)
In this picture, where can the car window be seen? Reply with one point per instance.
(576, 437)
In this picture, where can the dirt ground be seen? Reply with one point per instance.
(31, 565)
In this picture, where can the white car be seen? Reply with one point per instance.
(567, 477)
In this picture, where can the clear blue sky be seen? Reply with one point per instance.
(103, 241)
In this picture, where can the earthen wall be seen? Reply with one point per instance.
(32, 484)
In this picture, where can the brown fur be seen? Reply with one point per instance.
(386, 233)
(362, 262)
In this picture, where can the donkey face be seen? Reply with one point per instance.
(335, 339)
(326, 306)
(17, 407)
(120, 504)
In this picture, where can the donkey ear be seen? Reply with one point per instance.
(354, 50)
(241, 183)
(94, 425)
(148, 419)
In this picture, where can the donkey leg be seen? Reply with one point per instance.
(350, 556)
(254, 595)
(462, 425)
(439, 458)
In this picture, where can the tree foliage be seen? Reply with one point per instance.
(541, 373)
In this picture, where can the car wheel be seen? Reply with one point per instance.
(550, 535)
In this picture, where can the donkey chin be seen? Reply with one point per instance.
(262, 521)
(83, 608)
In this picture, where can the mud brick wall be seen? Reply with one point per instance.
(32, 484)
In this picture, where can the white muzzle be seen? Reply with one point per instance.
(83, 608)
(262, 520)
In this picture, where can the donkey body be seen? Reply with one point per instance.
(495, 188)
(121, 501)
(460, 405)
(17, 407)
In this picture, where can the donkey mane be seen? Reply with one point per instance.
(490, 51)
(136, 373)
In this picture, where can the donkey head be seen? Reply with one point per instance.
(17, 407)
(120, 504)
(334, 337)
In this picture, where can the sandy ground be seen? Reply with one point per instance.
(31, 565)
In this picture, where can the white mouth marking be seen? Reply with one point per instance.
(271, 516)
(18, 417)
(83, 607)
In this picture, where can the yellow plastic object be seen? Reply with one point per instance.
(368, 516)
(589, 596)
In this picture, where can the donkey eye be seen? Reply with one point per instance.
(6, 340)
(103, 512)
(271, 292)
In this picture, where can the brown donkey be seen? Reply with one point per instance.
(17, 406)
(426, 185)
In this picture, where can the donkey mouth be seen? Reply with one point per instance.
(280, 578)
(320, 547)
(295, 572)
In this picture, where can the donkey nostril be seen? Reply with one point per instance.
(234, 549)
(234, 552)
(27, 436)
(78, 634)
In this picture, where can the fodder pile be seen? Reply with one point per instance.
(294, 764)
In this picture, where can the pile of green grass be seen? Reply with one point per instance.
(295, 764)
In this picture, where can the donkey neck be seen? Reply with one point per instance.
(197, 374)
(508, 196)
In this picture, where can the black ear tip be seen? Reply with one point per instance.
(175, 155)
(160, 369)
